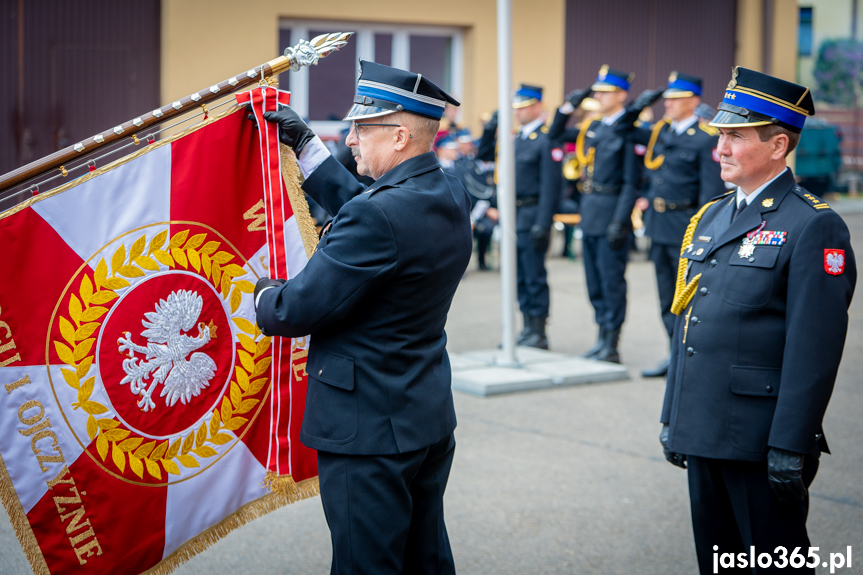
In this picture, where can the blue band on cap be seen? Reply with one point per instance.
(526, 93)
(685, 86)
(614, 81)
(765, 107)
(409, 104)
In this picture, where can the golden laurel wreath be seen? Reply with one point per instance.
(85, 314)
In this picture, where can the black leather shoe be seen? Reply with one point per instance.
(660, 370)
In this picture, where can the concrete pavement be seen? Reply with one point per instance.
(567, 480)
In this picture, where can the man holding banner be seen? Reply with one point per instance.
(374, 298)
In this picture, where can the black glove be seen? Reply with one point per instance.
(539, 236)
(677, 459)
(646, 98)
(492, 122)
(785, 473)
(262, 284)
(576, 97)
(616, 234)
(293, 131)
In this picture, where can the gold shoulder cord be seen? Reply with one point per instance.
(586, 160)
(682, 291)
(649, 162)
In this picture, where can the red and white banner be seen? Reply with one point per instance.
(142, 413)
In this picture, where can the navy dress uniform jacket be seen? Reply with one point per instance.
(374, 298)
(687, 179)
(538, 176)
(755, 352)
(610, 185)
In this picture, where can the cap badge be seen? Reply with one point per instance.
(673, 77)
(603, 72)
(733, 83)
(767, 203)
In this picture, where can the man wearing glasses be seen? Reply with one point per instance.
(374, 298)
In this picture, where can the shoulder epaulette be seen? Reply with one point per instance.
(814, 201)
(712, 130)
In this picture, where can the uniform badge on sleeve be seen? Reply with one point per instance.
(834, 261)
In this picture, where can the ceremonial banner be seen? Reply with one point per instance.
(142, 413)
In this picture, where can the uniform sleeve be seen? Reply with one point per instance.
(356, 256)
(485, 148)
(816, 326)
(711, 184)
(551, 181)
(632, 165)
(558, 126)
(331, 185)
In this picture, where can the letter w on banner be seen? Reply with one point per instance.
(142, 413)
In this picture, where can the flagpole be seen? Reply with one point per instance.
(305, 53)
(506, 181)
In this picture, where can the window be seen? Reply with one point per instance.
(323, 93)
(804, 36)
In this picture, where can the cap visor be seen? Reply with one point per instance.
(725, 119)
(359, 112)
(523, 103)
(603, 87)
(677, 94)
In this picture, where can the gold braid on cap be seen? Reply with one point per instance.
(649, 162)
(683, 291)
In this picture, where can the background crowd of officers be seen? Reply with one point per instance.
(602, 156)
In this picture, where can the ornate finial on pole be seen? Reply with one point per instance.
(307, 53)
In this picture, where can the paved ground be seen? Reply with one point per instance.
(569, 480)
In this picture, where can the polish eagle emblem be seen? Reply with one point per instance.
(834, 261)
(166, 357)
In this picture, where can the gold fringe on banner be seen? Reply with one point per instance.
(248, 512)
(9, 498)
(293, 180)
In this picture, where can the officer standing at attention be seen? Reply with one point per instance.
(767, 275)
(538, 181)
(684, 175)
(375, 297)
(609, 190)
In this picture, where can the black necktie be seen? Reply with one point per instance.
(740, 208)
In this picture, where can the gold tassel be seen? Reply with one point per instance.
(683, 292)
(293, 182)
(20, 524)
(649, 162)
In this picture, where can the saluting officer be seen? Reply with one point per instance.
(609, 190)
(767, 275)
(683, 169)
(538, 181)
(375, 297)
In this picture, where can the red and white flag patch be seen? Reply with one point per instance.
(557, 154)
(834, 261)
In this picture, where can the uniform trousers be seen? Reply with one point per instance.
(604, 270)
(531, 277)
(385, 512)
(734, 508)
(665, 258)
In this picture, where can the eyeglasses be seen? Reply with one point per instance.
(364, 125)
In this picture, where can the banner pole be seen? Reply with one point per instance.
(305, 53)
